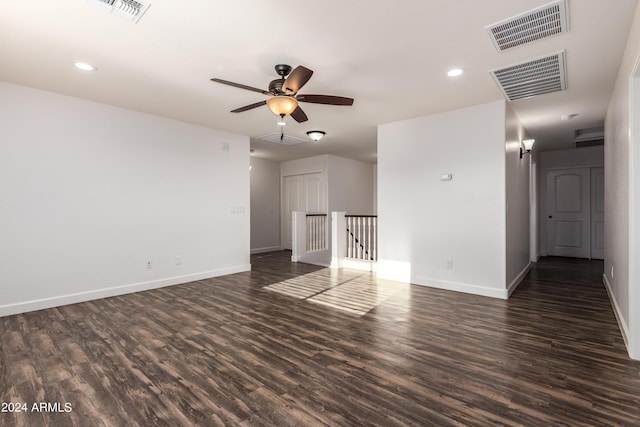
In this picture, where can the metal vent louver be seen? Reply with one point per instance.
(531, 78)
(286, 140)
(589, 137)
(544, 21)
(130, 10)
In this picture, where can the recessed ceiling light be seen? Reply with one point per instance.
(455, 72)
(84, 66)
(568, 116)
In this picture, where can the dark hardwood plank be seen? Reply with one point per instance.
(229, 352)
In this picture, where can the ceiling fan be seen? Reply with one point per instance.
(283, 93)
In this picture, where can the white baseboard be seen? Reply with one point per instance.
(519, 278)
(624, 329)
(57, 301)
(461, 287)
(362, 265)
(265, 249)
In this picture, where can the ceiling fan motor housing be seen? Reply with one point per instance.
(275, 86)
(283, 70)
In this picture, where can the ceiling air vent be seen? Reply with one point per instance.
(531, 78)
(130, 10)
(544, 21)
(589, 137)
(286, 140)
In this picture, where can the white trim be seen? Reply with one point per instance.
(357, 264)
(461, 287)
(624, 329)
(40, 304)
(266, 249)
(519, 278)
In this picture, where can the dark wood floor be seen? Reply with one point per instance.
(225, 351)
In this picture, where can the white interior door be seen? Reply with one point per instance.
(303, 193)
(569, 212)
(597, 213)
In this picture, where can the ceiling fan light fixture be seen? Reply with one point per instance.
(316, 135)
(282, 105)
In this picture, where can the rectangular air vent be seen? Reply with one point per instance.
(130, 10)
(589, 137)
(531, 78)
(286, 140)
(544, 21)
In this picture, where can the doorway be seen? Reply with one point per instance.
(575, 212)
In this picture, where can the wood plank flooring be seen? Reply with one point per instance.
(228, 352)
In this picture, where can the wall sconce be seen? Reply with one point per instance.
(528, 145)
(315, 135)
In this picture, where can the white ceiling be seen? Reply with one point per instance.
(391, 56)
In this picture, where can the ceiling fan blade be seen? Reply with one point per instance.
(299, 115)
(249, 107)
(325, 99)
(298, 78)
(241, 86)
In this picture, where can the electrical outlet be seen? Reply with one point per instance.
(149, 265)
(178, 260)
(449, 263)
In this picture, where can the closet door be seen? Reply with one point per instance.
(303, 193)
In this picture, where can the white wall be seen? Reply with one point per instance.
(622, 189)
(91, 192)
(622, 192)
(518, 258)
(350, 186)
(265, 205)
(634, 223)
(424, 221)
(562, 159)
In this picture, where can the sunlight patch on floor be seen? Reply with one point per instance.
(346, 290)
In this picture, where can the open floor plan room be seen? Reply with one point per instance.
(232, 351)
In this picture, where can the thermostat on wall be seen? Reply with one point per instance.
(446, 177)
